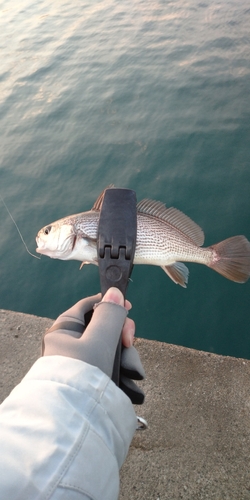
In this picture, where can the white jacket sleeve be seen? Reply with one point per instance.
(65, 431)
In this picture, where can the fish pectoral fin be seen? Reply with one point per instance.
(85, 262)
(178, 272)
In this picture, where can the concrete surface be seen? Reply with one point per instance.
(197, 406)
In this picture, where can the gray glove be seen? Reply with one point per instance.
(97, 346)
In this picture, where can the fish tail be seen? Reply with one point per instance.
(231, 258)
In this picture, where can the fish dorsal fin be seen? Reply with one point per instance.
(174, 217)
(98, 203)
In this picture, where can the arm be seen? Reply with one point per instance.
(66, 428)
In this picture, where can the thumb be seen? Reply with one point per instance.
(114, 295)
(101, 336)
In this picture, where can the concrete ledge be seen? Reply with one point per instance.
(197, 406)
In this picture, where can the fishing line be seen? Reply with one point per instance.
(18, 230)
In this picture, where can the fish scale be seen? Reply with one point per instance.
(165, 237)
(160, 243)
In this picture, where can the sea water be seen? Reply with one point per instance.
(152, 96)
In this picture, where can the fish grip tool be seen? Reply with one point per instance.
(116, 243)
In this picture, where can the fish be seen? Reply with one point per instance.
(166, 237)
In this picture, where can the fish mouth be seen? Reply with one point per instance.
(38, 249)
(42, 251)
(41, 247)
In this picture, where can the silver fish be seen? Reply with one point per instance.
(165, 237)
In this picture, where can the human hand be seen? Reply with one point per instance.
(97, 343)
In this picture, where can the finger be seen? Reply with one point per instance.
(128, 332)
(131, 365)
(114, 295)
(128, 305)
(102, 334)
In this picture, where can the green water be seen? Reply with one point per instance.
(149, 96)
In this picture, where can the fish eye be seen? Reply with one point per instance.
(47, 230)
